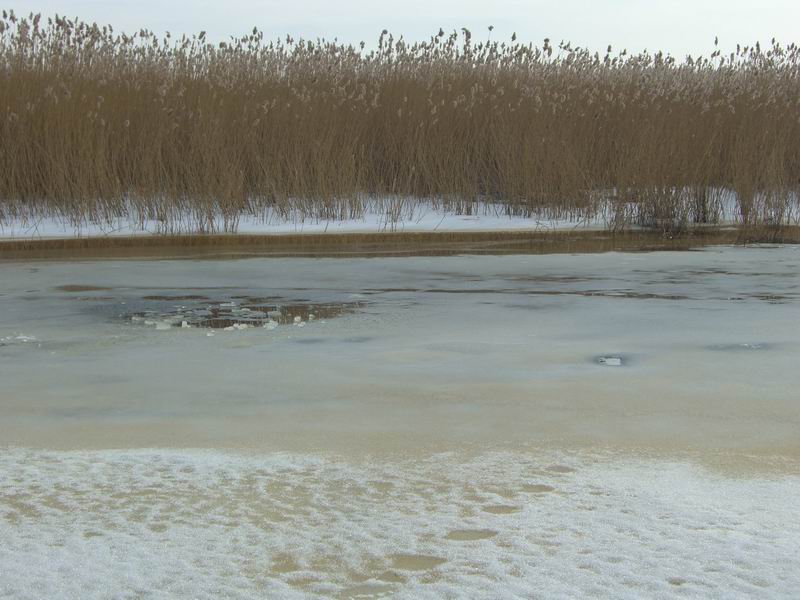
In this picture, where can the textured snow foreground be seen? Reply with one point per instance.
(614, 425)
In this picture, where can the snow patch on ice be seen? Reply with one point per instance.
(211, 524)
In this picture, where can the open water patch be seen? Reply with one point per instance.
(162, 312)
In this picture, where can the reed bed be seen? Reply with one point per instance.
(96, 124)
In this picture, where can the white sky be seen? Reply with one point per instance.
(676, 26)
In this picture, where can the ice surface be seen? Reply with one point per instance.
(422, 351)
(449, 431)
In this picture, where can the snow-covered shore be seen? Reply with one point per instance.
(378, 217)
(425, 220)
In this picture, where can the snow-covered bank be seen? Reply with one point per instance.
(417, 218)
(381, 215)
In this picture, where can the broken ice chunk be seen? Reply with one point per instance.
(610, 361)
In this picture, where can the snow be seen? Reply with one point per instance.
(380, 215)
(210, 524)
(421, 217)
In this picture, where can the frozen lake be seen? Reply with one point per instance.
(618, 424)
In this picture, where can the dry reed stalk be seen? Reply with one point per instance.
(96, 125)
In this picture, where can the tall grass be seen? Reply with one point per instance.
(96, 124)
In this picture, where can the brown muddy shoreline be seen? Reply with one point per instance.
(214, 246)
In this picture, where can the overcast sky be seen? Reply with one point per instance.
(676, 26)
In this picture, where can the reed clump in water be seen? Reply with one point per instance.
(96, 124)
